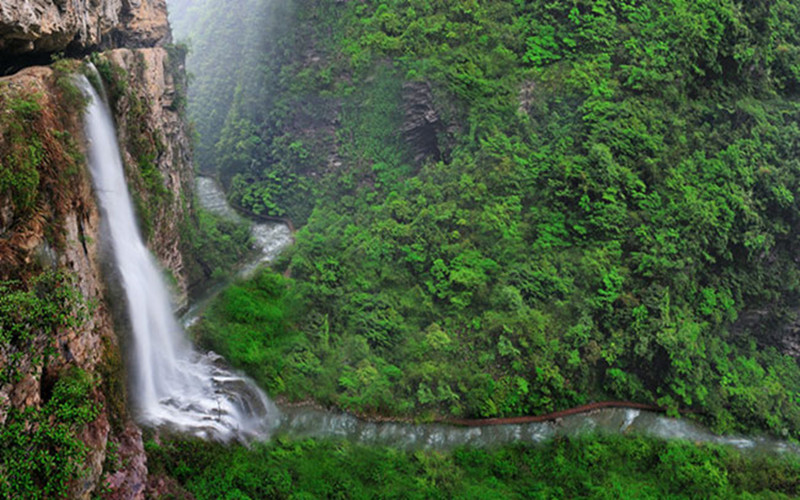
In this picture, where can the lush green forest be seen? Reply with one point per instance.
(589, 467)
(512, 207)
(504, 208)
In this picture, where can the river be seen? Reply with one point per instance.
(306, 421)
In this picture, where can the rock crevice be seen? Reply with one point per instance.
(421, 125)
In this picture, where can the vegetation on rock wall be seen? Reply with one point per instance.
(45, 407)
(39, 165)
(41, 455)
(31, 314)
(607, 211)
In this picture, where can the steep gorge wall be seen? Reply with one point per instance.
(62, 232)
(49, 220)
(147, 97)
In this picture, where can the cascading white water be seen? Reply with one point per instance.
(178, 387)
(173, 384)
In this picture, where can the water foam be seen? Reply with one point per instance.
(173, 384)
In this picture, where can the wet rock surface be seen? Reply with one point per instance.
(771, 327)
(129, 480)
(421, 124)
(154, 86)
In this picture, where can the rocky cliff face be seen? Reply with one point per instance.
(60, 231)
(48, 26)
(49, 220)
(421, 125)
(156, 145)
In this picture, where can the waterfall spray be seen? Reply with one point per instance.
(173, 385)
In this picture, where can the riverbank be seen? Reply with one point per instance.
(586, 466)
(311, 420)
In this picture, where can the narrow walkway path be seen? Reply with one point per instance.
(547, 417)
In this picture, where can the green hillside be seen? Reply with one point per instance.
(509, 208)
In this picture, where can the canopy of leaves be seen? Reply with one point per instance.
(587, 467)
(615, 194)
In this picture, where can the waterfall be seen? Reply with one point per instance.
(173, 385)
(176, 387)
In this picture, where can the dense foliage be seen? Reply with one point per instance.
(588, 467)
(215, 244)
(31, 315)
(609, 209)
(39, 162)
(249, 325)
(41, 455)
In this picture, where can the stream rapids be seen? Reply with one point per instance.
(306, 421)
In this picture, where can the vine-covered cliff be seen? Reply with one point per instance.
(65, 424)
